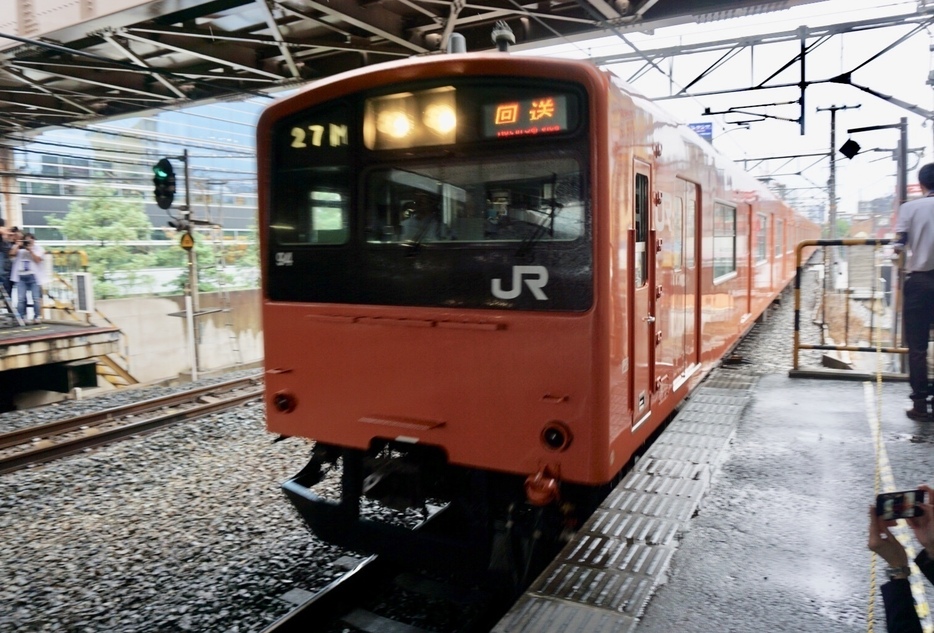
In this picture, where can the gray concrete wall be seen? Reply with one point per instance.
(158, 343)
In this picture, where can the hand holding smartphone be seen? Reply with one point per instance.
(899, 505)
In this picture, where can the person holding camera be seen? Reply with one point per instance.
(28, 274)
(900, 615)
(7, 238)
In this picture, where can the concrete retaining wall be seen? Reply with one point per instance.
(158, 343)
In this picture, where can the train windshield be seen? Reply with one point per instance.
(468, 193)
(484, 201)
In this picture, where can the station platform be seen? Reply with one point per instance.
(51, 356)
(749, 513)
(54, 341)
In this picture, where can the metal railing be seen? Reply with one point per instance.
(868, 310)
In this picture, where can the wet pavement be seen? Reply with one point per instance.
(779, 539)
(748, 514)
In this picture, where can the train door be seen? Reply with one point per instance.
(670, 281)
(642, 278)
(691, 277)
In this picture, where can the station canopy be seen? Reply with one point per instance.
(169, 54)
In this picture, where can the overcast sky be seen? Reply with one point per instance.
(902, 73)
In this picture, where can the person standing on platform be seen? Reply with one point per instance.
(28, 274)
(914, 228)
(6, 263)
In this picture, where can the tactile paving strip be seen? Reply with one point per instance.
(604, 577)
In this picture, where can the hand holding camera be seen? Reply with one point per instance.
(891, 506)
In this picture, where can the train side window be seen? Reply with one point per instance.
(690, 222)
(779, 238)
(641, 219)
(677, 235)
(762, 227)
(724, 240)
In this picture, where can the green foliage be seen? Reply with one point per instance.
(111, 223)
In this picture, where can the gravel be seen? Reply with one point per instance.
(186, 529)
(768, 347)
(182, 530)
(14, 420)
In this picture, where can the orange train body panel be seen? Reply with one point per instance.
(671, 291)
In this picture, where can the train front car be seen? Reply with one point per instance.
(430, 296)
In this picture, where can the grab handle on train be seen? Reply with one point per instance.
(649, 319)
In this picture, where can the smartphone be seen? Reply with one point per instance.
(899, 505)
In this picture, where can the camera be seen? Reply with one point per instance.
(899, 505)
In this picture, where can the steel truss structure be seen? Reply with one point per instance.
(165, 54)
(809, 39)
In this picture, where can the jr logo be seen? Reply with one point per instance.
(283, 259)
(536, 278)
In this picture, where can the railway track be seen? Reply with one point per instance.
(378, 596)
(33, 445)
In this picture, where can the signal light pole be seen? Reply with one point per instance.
(164, 181)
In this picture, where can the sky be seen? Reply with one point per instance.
(902, 72)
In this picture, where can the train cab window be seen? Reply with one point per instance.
(724, 240)
(538, 199)
(641, 220)
(314, 216)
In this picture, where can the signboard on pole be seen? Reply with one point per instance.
(705, 130)
(187, 241)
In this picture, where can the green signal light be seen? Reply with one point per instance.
(159, 172)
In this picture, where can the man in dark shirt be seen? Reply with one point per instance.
(914, 230)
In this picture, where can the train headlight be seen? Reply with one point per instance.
(440, 117)
(410, 119)
(394, 123)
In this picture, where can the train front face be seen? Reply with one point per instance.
(429, 265)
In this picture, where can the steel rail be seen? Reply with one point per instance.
(335, 599)
(41, 454)
(21, 436)
(343, 602)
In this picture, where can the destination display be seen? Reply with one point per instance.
(546, 114)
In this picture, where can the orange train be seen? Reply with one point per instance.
(487, 280)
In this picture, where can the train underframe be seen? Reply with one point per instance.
(487, 528)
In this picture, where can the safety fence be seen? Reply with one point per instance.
(858, 312)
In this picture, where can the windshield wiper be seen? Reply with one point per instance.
(548, 225)
(415, 243)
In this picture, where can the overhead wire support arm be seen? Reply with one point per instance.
(744, 109)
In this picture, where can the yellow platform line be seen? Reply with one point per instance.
(901, 530)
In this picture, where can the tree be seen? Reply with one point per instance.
(113, 224)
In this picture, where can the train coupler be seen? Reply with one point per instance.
(542, 488)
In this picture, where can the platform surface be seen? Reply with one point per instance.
(749, 514)
(54, 342)
(47, 329)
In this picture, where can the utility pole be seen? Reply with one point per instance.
(832, 184)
